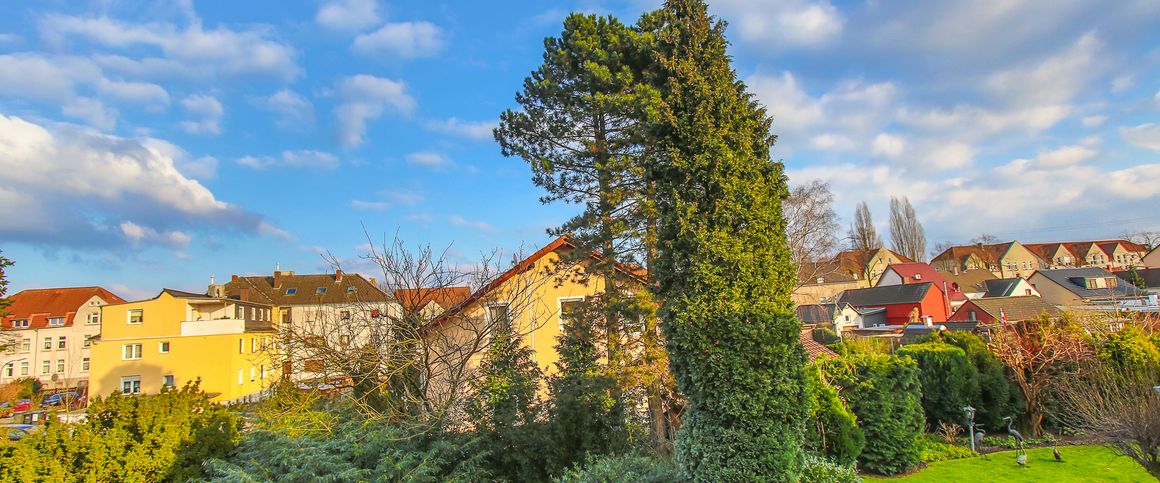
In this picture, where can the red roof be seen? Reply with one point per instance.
(918, 272)
(813, 348)
(37, 305)
(447, 297)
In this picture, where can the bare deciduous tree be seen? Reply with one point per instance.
(1149, 239)
(1119, 405)
(811, 227)
(906, 234)
(862, 235)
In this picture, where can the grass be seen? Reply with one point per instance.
(1080, 463)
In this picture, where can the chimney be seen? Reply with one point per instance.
(234, 278)
(277, 279)
(338, 276)
(375, 282)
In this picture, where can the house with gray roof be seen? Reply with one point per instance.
(1066, 287)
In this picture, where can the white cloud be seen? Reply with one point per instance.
(204, 167)
(420, 217)
(1054, 80)
(348, 15)
(844, 118)
(405, 197)
(292, 159)
(888, 145)
(51, 79)
(792, 22)
(208, 111)
(134, 92)
(1123, 83)
(139, 235)
(401, 40)
(189, 50)
(97, 182)
(90, 110)
(1093, 121)
(477, 225)
(369, 205)
(832, 142)
(478, 130)
(295, 110)
(1145, 136)
(363, 97)
(428, 159)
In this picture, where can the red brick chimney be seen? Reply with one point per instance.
(277, 279)
(338, 276)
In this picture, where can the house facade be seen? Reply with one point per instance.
(917, 272)
(52, 330)
(178, 337)
(1003, 309)
(1010, 287)
(1106, 254)
(867, 265)
(1004, 260)
(1152, 258)
(901, 302)
(1069, 287)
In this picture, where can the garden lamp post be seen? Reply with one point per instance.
(971, 424)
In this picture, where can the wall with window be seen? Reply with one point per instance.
(55, 354)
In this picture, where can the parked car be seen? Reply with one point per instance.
(68, 398)
(17, 432)
(7, 408)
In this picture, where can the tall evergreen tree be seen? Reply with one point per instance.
(723, 268)
(6, 342)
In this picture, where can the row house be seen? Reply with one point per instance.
(1107, 254)
(1069, 287)
(822, 281)
(52, 331)
(1152, 259)
(1004, 260)
(1003, 309)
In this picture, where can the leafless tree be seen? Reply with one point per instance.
(906, 234)
(811, 228)
(1147, 238)
(985, 239)
(1120, 405)
(412, 360)
(862, 235)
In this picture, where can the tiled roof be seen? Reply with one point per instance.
(1001, 287)
(312, 289)
(1072, 279)
(971, 281)
(854, 261)
(37, 305)
(816, 313)
(888, 295)
(1151, 276)
(1015, 308)
(812, 347)
(419, 297)
(918, 272)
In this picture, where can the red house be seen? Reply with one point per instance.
(900, 301)
(918, 272)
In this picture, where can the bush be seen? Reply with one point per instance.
(885, 395)
(930, 449)
(997, 398)
(825, 336)
(1129, 348)
(625, 468)
(834, 432)
(949, 380)
(820, 470)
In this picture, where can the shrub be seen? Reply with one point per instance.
(997, 398)
(930, 449)
(825, 336)
(884, 393)
(834, 432)
(624, 468)
(949, 380)
(1129, 348)
(821, 470)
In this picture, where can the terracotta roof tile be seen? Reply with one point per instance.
(813, 348)
(37, 305)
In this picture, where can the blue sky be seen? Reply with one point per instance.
(150, 144)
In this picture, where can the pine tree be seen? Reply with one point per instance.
(723, 268)
(504, 406)
(6, 342)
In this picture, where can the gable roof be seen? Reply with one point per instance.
(37, 305)
(445, 297)
(813, 348)
(336, 288)
(853, 261)
(971, 281)
(1151, 276)
(1015, 308)
(918, 272)
(1072, 279)
(1001, 287)
(1047, 251)
(816, 313)
(886, 295)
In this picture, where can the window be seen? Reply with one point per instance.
(241, 377)
(254, 345)
(24, 368)
(253, 373)
(8, 370)
(167, 380)
(45, 367)
(20, 324)
(314, 341)
(48, 343)
(60, 343)
(163, 347)
(137, 316)
(349, 290)
(320, 291)
(85, 364)
(26, 345)
(59, 366)
(344, 315)
(56, 321)
(570, 308)
(344, 339)
(499, 315)
(131, 385)
(1028, 291)
(971, 315)
(93, 319)
(241, 346)
(131, 352)
(88, 341)
(291, 291)
(262, 371)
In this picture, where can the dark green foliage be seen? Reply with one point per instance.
(503, 409)
(723, 269)
(6, 342)
(825, 336)
(585, 416)
(147, 438)
(932, 449)
(884, 393)
(997, 396)
(1135, 279)
(819, 470)
(949, 381)
(834, 432)
(356, 450)
(1129, 348)
(625, 468)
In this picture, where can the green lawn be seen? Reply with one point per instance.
(1080, 463)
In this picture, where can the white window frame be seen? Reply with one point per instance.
(61, 343)
(168, 381)
(47, 343)
(24, 368)
(94, 318)
(163, 347)
(560, 310)
(85, 364)
(134, 385)
(56, 321)
(129, 316)
(60, 366)
(45, 367)
(20, 324)
(88, 342)
(131, 352)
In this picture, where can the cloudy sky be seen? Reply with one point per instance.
(148, 144)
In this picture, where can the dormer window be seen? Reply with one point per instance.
(349, 290)
(20, 324)
(320, 291)
(291, 291)
(56, 321)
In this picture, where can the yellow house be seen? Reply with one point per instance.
(177, 337)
